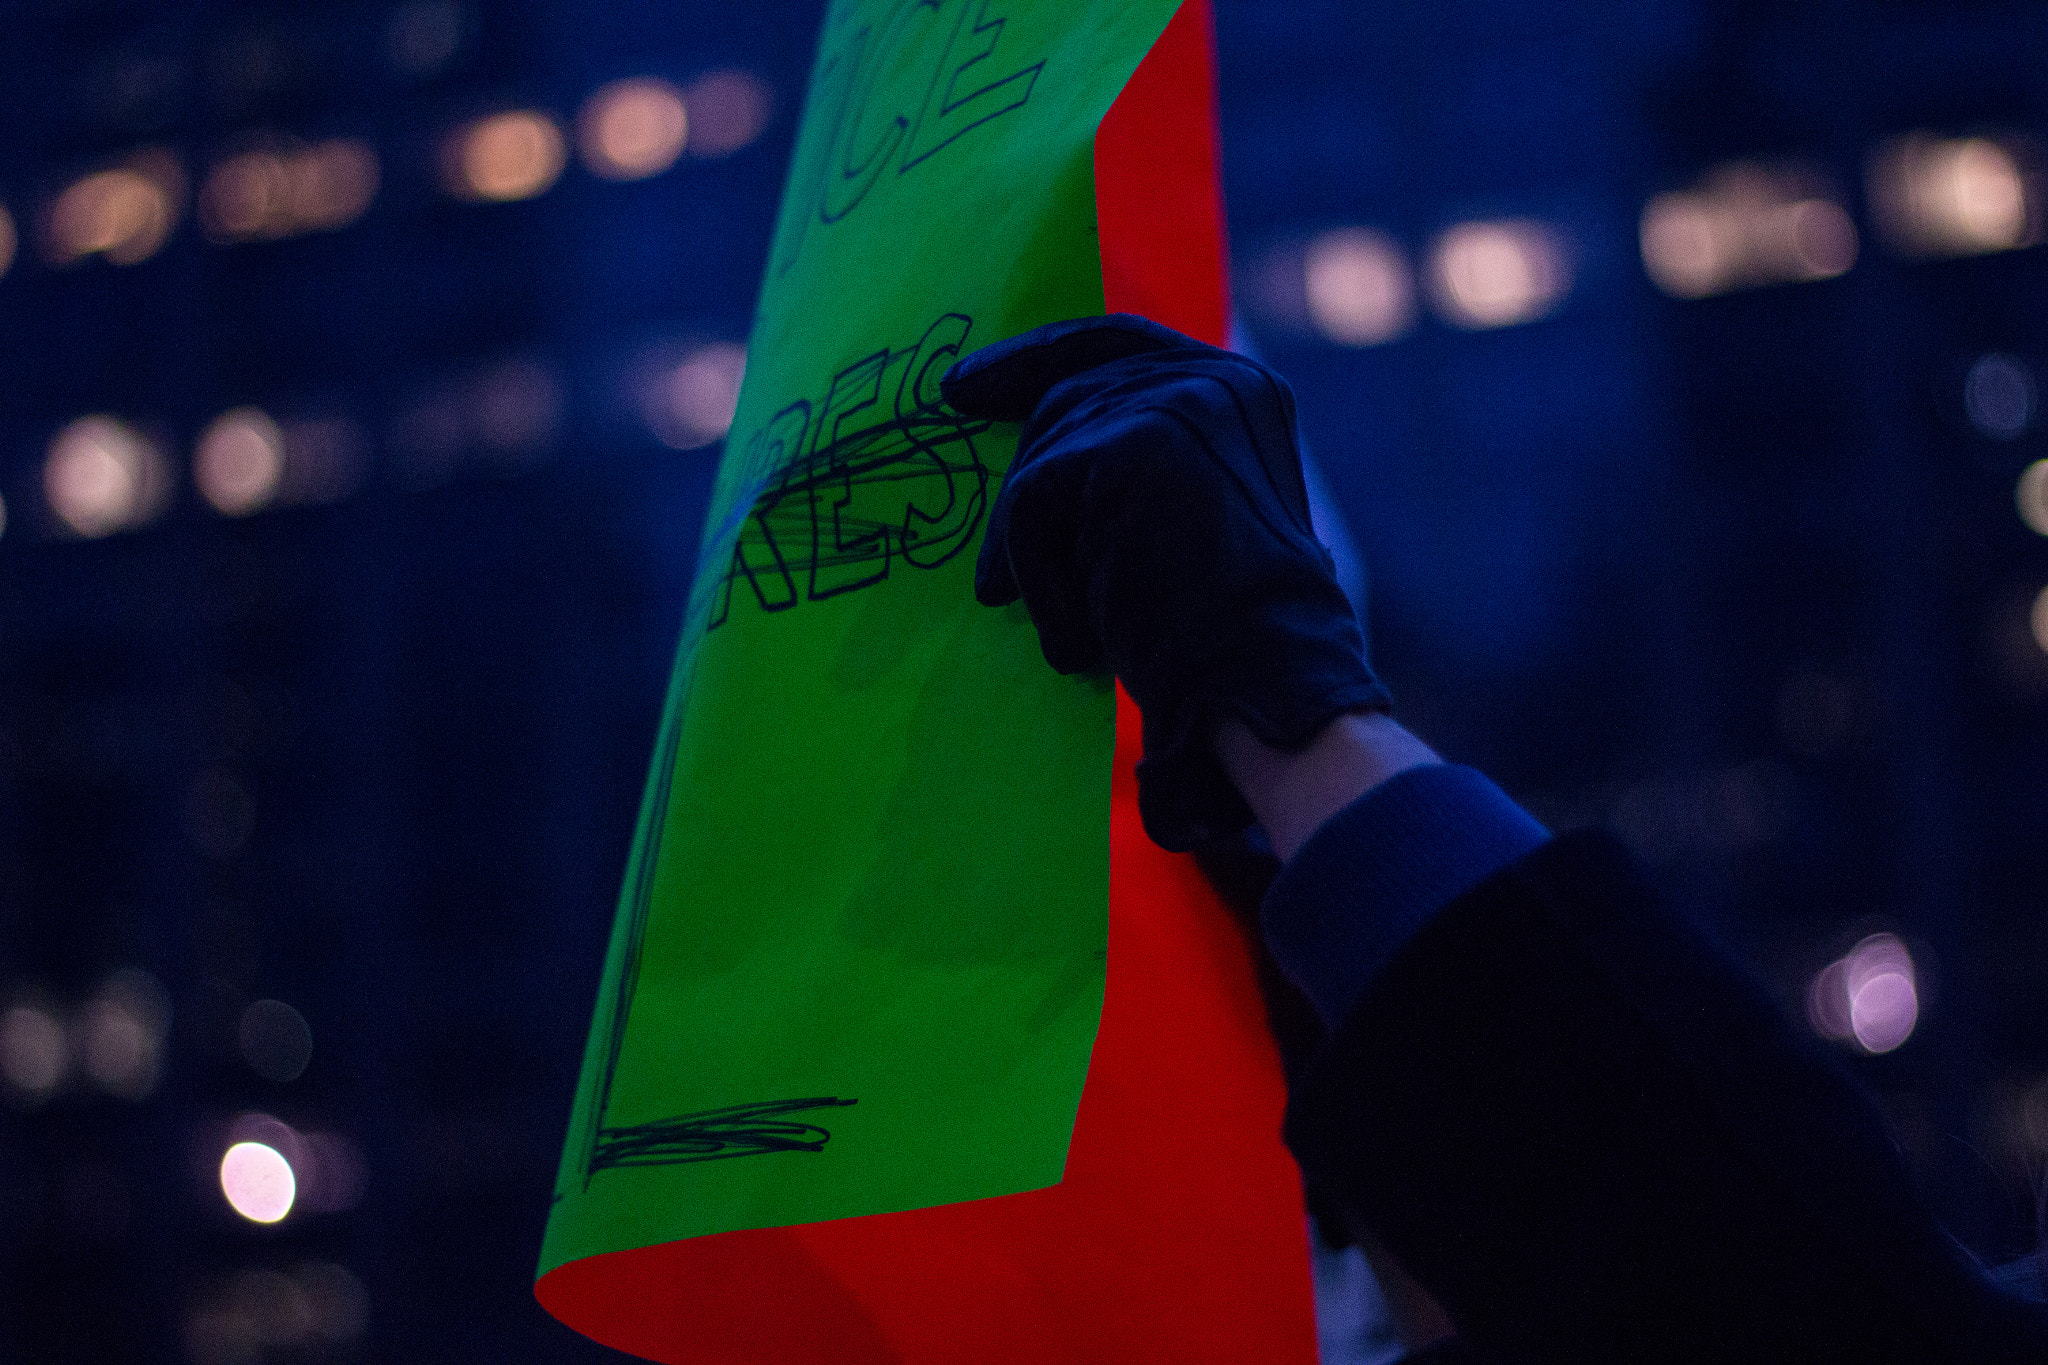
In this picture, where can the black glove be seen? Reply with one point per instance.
(1156, 524)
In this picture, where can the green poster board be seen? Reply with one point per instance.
(858, 960)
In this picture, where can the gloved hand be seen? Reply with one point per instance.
(1156, 524)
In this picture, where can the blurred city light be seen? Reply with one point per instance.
(10, 240)
(121, 1033)
(124, 214)
(33, 1053)
(2015, 641)
(257, 1181)
(688, 403)
(245, 461)
(1745, 225)
(2032, 496)
(422, 36)
(1936, 196)
(328, 1173)
(1870, 995)
(1999, 396)
(331, 1173)
(1498, 274)
(276, 1040)
(102, 476)
(1358, 286)
(632, 129)
(267, 194)
(516, 407)
(239, 462)
(727, 111)
(514, 155)
(256, 1311)
(324, 458)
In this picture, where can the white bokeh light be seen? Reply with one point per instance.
(124, 214)
(1936, 196)
(505, 157)
(727, 111)
(1746, 224)
(632, 129)
(690, 403)
(258, 1182)
(1358, 287)
(239, 462)
(33, 1052)
(2032, 497)
(1869, 996)
(1498, 274)
(273, 192)
(103, 476)
(1999, 396)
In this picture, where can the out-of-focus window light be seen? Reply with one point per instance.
(33, 1053)
(1870, 995)
(1936, 196)
(516, 407)
(690, 402)
(2015, 641)
(257, 1181)
(245, 462)
(266, 194)
(325, 458)
(102, 475)
(1999, 396)
(10, 240)
(124, 214)
(121, 1034)
(1498, 274)
(514, 155)
(1743, 226)
(632, 129)
(239, 463)
(1358, 286)
(2032, 497)
(423, 36)
(276, 1040)
(260, 1314)
(727, 111)
(331, 1173)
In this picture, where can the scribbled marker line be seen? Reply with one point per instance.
(715, 1134)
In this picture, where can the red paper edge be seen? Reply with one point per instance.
(1178, 1232)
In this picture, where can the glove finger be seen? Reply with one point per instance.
(1042, 563)
(994, 583)
(1004, 381)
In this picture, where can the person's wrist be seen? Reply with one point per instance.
(1293, 792)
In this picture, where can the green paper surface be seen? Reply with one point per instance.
(858, 960)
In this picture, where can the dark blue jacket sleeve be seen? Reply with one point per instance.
(1586, 1132)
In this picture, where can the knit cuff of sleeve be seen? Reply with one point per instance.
(1375, 872)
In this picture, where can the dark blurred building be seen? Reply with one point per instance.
(1677, 370)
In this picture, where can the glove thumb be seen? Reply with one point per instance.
(1004, 381)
